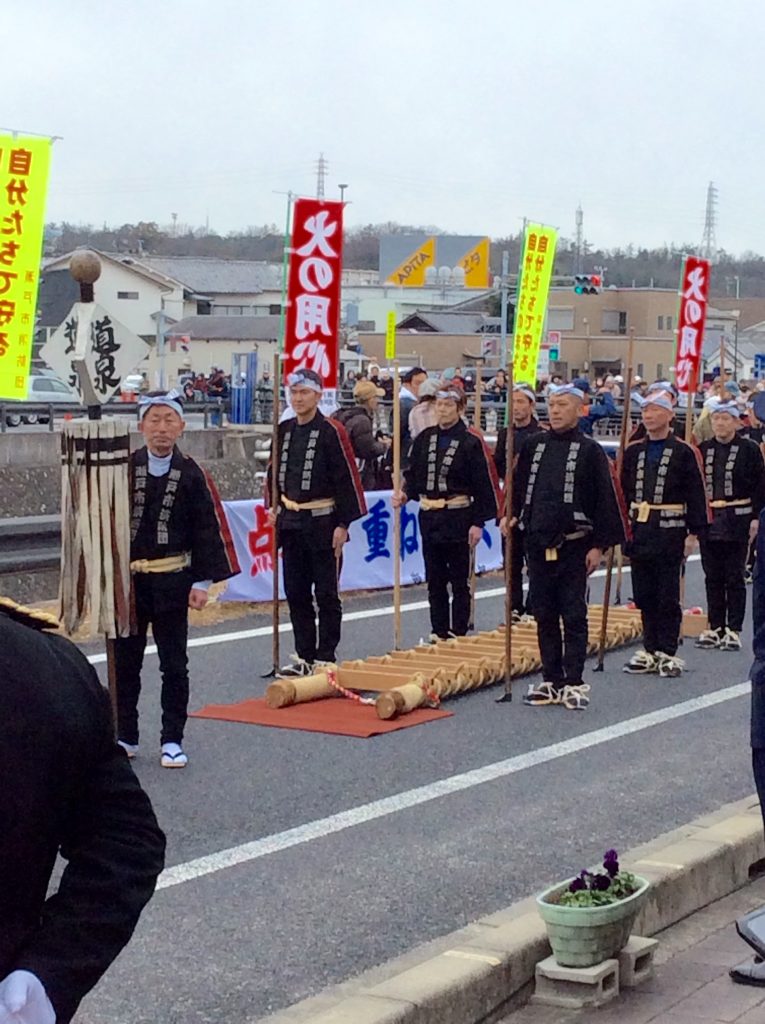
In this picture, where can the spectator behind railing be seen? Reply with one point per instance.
(424, 413)
(368, 449)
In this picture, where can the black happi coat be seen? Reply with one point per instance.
(67, 788)
(180, 512)
(733, 471)
(676, 480)
(316, 461)
(563, 486)
(444, 463)
(520, 436)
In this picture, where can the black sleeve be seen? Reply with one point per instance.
(695, 491)
(608, 524)
(412, 484)
(483, 482)
(628, 474)
(500, 453)
(213, 556)
(114, 850)
(348, 493)
(757, 477)
(521, 477)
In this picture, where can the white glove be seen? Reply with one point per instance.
(23, 1000)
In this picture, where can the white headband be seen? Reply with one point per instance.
(145, 402)
(299, 380)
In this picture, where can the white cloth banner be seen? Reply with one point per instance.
(367, 557)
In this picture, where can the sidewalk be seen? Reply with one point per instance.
(691, 983)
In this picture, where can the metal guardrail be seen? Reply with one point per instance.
(50, 411)
(30, 544)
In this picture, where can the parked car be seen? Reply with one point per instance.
(47, 390)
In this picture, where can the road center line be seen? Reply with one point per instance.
(285, 627)
(319, 829)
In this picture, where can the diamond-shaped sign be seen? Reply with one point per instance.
(93, 352)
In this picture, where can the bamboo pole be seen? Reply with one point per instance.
(476, 426)
(396, 511)
(619, 461)
(508, 497)
(275, 654)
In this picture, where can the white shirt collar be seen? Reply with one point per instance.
(159, 465)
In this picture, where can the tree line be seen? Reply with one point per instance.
(627, 266)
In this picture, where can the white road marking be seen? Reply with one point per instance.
(285, 627)
(319, 829)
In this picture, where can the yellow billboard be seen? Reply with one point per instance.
(534, 287)
(24, 166)
(411, 272)
(475, 263)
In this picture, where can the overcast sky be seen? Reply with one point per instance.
(467, 115)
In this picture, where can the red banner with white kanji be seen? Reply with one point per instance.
(694, 292)
(313, 291)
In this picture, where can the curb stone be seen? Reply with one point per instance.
(482, 972)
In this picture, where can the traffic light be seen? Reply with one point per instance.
(587, 284)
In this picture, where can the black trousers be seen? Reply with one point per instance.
(724, 564)
(310, 567)
(656, 591)
(758, 769)
(558, 591)
(162, 601)
(516, 574)
(447, 564)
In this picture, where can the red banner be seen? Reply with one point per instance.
(313, 292)
(694, 291)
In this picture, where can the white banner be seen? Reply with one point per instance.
(367, 558)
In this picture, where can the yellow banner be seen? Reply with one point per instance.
(411, 273)
(390, 337)
(534, 288)
(476, 266)
(24, 166)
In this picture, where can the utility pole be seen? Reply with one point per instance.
(503, 305)
(579, 239)
(708, 249)
(342, 192)
(322, 167)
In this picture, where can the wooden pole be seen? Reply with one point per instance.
(396, 511)
(619, 461)
(508, 496)
(476, 426)
(274, 488)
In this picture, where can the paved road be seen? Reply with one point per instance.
(417, 856)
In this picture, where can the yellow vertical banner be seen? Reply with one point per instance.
(24, 166)
(390, 337)
(531, 306)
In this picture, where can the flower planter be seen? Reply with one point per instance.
(585, 936)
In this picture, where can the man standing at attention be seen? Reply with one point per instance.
(664, 490)
(179, 535)
(567, 508)
(318, 496)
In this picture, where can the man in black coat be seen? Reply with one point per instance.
(180, 544)
(318, 496)
(664, 491)
(452, 475)
(566, 505)
(525, 425)
(358, 421)
(734, 473)
(67, 789)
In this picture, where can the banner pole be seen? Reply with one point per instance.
(618, 473)
(507, 356)
(476, 426)
(396, 511)
(275, 647)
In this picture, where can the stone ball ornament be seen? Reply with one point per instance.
(85, 267)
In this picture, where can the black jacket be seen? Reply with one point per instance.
(564, 486)
(520, 436)
(683, 484)
(734, 471)
(67, 788)
(196, 524)
(358, 424)
(469, 470)
(316, 461)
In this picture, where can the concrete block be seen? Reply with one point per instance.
(368, 1009)
(636, 961)
(575, 988)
